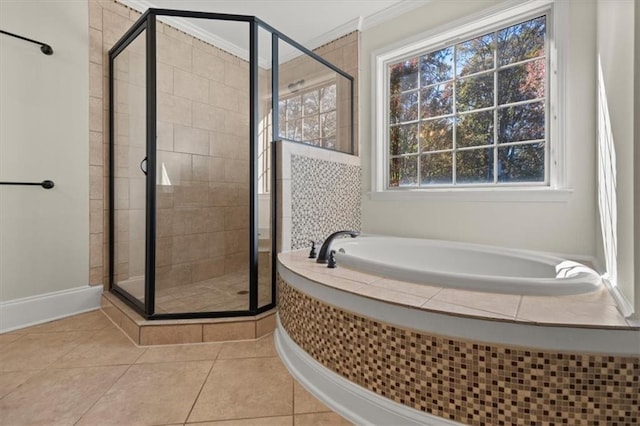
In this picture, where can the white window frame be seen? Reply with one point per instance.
(504, 15)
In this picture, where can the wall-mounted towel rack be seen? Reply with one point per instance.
(46, 184)
(44, 47)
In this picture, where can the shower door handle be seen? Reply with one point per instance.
(143, 166)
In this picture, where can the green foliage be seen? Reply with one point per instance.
(424, 86)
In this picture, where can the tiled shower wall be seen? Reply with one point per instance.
(185, 135)
(203, 127)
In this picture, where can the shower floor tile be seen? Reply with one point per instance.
(225, 293)
(90, 376)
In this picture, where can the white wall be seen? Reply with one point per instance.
(44, 234)
(565, 227)
(615, 49)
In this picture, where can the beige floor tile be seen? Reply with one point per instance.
(37, 351)
(173, 353)
(107, 347)
(150, 394)
(10, 380)
(256, 421)
(245, 388)
(9, 338)
(263, 347)
(94, 320)
(320, 419)
(304, 402)
(57, 397)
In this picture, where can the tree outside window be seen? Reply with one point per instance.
(472, 112)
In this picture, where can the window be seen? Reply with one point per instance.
(310, 116)
(470, 107)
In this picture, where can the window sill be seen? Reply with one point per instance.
(487, 195)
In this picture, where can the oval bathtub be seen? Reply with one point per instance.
(466, 266)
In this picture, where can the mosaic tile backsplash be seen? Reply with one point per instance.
(325, 197)
(470, 382)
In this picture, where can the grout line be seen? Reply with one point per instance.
(103, 394)
(518, 308)
(204, 382)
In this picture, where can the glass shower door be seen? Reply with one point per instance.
(129, 170)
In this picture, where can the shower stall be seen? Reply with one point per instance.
(196, 102)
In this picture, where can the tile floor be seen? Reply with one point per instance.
(83, 370)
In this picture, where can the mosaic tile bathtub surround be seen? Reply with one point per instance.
(325, 197)
(469, 382)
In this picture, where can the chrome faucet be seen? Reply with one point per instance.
(323, 257)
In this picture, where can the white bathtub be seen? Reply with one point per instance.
(466, 266)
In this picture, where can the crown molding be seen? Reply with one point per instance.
(356, 24)
(191, 29)
(391, 12)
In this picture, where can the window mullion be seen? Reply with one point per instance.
(455, 120)
(495, 111)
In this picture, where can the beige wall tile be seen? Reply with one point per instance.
(173, 109)
(206, 63)
(96, 217)
(206, 269)
(95, 15)
(228, 331)
(190, 140)
(170, 334)
(95, 114)
(190, 86)
(96, 53)
(207, 117)
(96, 149)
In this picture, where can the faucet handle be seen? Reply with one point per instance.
(312, 253)
(332, 260)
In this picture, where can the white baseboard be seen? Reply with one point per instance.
(353, 402)
(20, 313)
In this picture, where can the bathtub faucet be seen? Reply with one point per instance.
(323, 257)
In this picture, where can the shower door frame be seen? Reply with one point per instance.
(148, 22)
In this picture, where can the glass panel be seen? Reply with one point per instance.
(521, 41)
(404, 76)
(475, 55)
(521, 82)
(321, 110)
(521, 123)
(475, 129)
(404, 139)
(436, 100)
(521, 163)
(130, 141)
(436, 135)
(265, 133)
(404, 107)
(403, 171)
(202, 251)
(474, 166)
(436, 168)
(436, 67)
(474, 92)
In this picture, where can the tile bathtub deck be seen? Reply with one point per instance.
(83, 370)
(592, 310)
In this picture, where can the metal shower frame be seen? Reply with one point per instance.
(147, 22)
